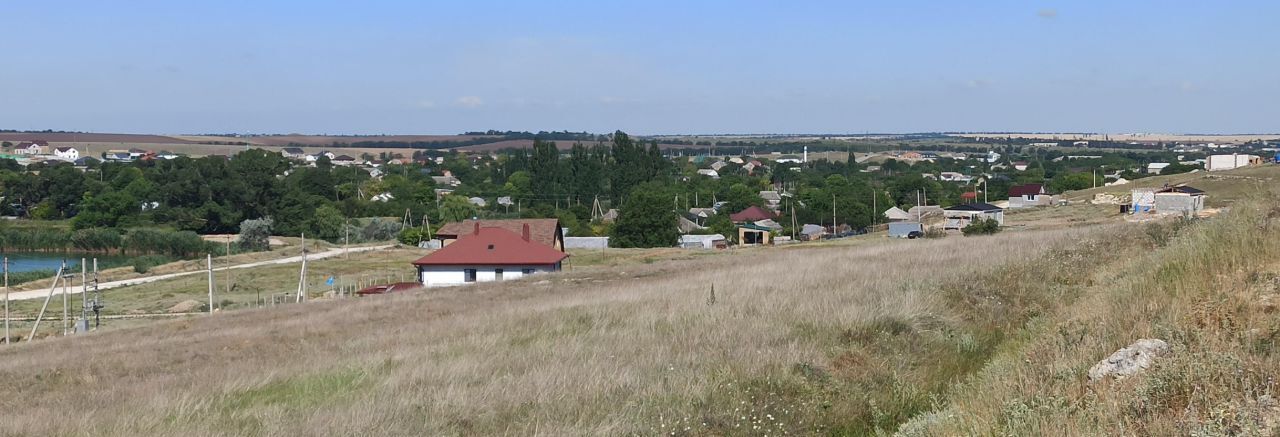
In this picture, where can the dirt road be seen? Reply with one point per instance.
(37, 294)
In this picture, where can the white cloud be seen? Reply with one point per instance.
(1047, 14)
(469, 102)
(426, 104)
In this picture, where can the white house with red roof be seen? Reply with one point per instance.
(30, 148)
(488, 254)
(66, 153)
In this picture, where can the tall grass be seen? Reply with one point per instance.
(1208, 287)
(802, 340)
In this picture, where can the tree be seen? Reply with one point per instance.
(741, 197)
(255, 234)
(455, 208)
(327, 223)
(646, 219)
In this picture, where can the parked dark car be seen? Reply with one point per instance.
(389, 288)
(915, 234)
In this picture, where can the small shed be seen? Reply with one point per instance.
(1179, 199)
(812, 232)
(750, 234)
(713, 241)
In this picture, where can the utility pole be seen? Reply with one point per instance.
(6, 300)
(84, 294)
(64, 301)
(209, 266)
(97, 296)
(47, 298)
(346, 240)
(833, 213)
(302, 273)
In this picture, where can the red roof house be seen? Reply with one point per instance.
(751, 214)
(488, 254)
(545, 231)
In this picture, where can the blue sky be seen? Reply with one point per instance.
(645, 67)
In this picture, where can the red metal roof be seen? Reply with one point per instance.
(543, 231)
(1026, 190)
(493, 246)
(752, 214)
(969, 195)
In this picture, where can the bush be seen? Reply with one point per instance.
(255, 234)
(378, 230)
(144, 263)
(981, 227)
(934, 232)
(410, 236)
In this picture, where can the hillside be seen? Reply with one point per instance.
(982, 335)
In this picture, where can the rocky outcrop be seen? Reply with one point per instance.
(1130, 360)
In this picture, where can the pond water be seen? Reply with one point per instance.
(40, 261)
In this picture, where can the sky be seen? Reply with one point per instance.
(651, 67)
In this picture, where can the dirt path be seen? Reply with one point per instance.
(36, 294)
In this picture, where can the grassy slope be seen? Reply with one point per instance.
(986, 335)
(1223, 187)
(830, 338)
(1210, 291)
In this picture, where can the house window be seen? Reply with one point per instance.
(497, 274)
(469, 275)
(526, 271)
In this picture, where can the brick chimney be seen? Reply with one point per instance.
(524, 232)
(477, 231)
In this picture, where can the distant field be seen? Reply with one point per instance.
(562, 145)
(91, 138)
(1133, 137)
(326, 140)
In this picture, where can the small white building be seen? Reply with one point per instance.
(713, 241)
(1229, 162)
(959, 216)
(487, 254)
(1156, 167)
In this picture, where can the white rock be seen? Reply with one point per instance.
(1129, 360)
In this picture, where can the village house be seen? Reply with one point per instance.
(1029, 195)
(316, 157)
(772, 199)
(751, 214)
(951, 176)
(343, 160)
(811, 232)
(709, 173)
(448, 181)
(292, 153)
(1156, 167)
(542, 231)
(1020, 165)
(67, 153)
(959, 216)
(488, 254)
(896, 214)
(30, 148)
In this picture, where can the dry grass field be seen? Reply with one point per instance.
(958, 336)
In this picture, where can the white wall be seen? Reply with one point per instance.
(436, 276)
